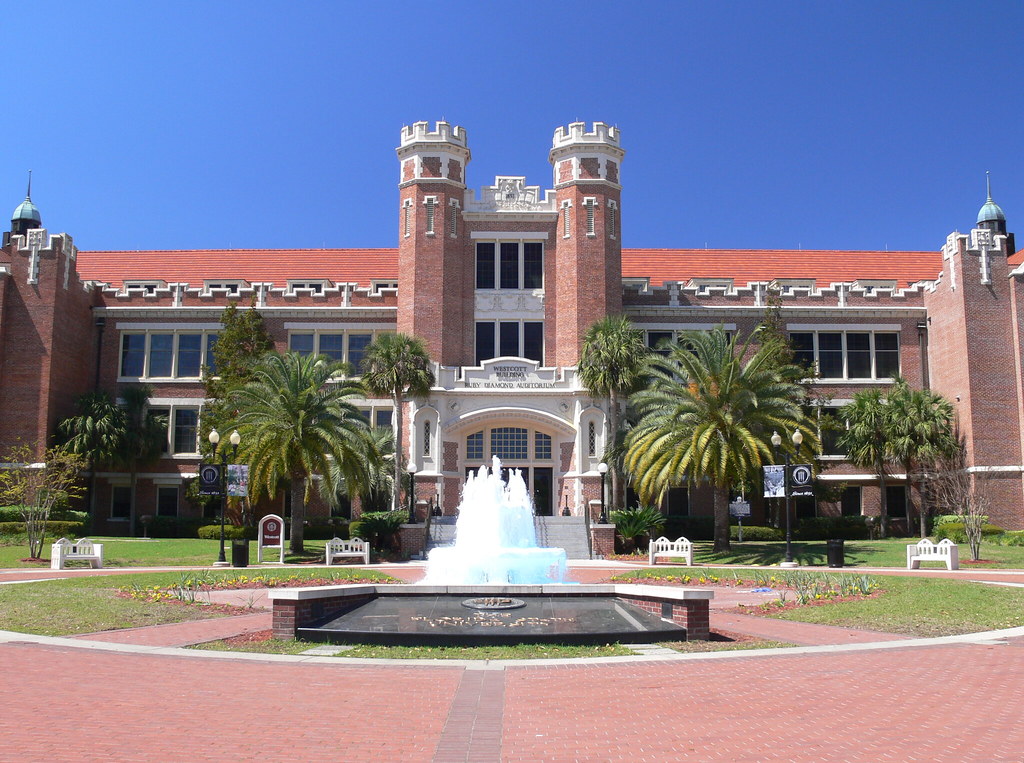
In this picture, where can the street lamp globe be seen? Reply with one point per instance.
(235, 438)
(214, 437)
(411, 467)
(798, 437)
(776, 439)
(602, 468)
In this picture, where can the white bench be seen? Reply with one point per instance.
(924, 550)
(336, 547)
(82, 549)
(680, 547)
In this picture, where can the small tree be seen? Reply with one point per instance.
(866, 439)
(956, 491)
(37, 487)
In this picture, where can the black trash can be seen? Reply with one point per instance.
(239, 553)
(836, 553)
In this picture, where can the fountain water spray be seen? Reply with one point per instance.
(495, 537)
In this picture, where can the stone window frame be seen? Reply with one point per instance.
(521, 339)
(205, 352)
(613, 221)
(346, 335)
(814, 357)
(590, 204)
(430, 204)
(171, 408)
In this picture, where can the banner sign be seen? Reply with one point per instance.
(800, 478)
(209, 479)
(238, 480)
(775, 482)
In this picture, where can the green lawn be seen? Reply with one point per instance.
(162, 552)
(84, 605)
(924, 607)
(858, 553)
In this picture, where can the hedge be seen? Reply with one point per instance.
(955, 531)
(756, 532)
(231, 532)
(828, 528)
(56, 529)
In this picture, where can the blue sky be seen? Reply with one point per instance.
(788, 125)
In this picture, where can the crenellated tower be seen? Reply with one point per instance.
(588, 271)
(975, 342)
(433, 268)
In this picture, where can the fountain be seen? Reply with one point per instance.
(495, 537)
(493, 586)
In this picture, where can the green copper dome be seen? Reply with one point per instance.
(27, 211)
(990, 211)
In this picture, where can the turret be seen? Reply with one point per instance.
(587, 186)
(26, 215)
(433, 291)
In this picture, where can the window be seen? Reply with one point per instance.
(406, 208)
(163, 416)
(376, 287)
(590, 203)
(186, 430)
(337, 346)
(510, 443)
(426, 438)
(211, 358)
(315, 287)
(541, 446)
(657, 341)
(516, 339)
(566, 222)
(167, 501)
(850, 502)
(519, 265)
(509, 272)
(120, 502)
(830, 428)
(591, 439)
(231, 287)
(475, 447)
(848, 354)
(453, 218)
(613, 211)
(382, 418)
(144, 287)
(431, 203)
(166, 354)
(485, 265)
(896, 501)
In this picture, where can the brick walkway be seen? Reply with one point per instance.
(924, 701)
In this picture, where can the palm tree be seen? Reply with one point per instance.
(708, 414)
(96, 433)
(611, 365)
(397, 365)
(297, 420)
(868, 426)
(375, 494)
(921, 433)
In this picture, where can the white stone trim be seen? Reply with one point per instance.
(843, 327)
(124, 326)
(487, 235)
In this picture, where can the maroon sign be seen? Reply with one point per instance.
(271, 531)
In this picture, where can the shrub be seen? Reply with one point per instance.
(54, 530)
(637, 522)
(231, 532)
(691, 528)
(955, 531)
(1011, 538)
(828, 528)
(756, 532)
(175, 527)
(377, 526)
(325, 529)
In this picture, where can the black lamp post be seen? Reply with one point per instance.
(603, 469)
(411, 468)
(776, 442)
(214, 440)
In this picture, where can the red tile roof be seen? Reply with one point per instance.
(752, 265)
(361, 265)
(276, 266)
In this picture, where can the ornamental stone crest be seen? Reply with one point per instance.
(510, 194)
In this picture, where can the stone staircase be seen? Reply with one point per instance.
(569, 533)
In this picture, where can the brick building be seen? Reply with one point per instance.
(501, 284)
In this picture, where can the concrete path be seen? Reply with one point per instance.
(866, 697)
